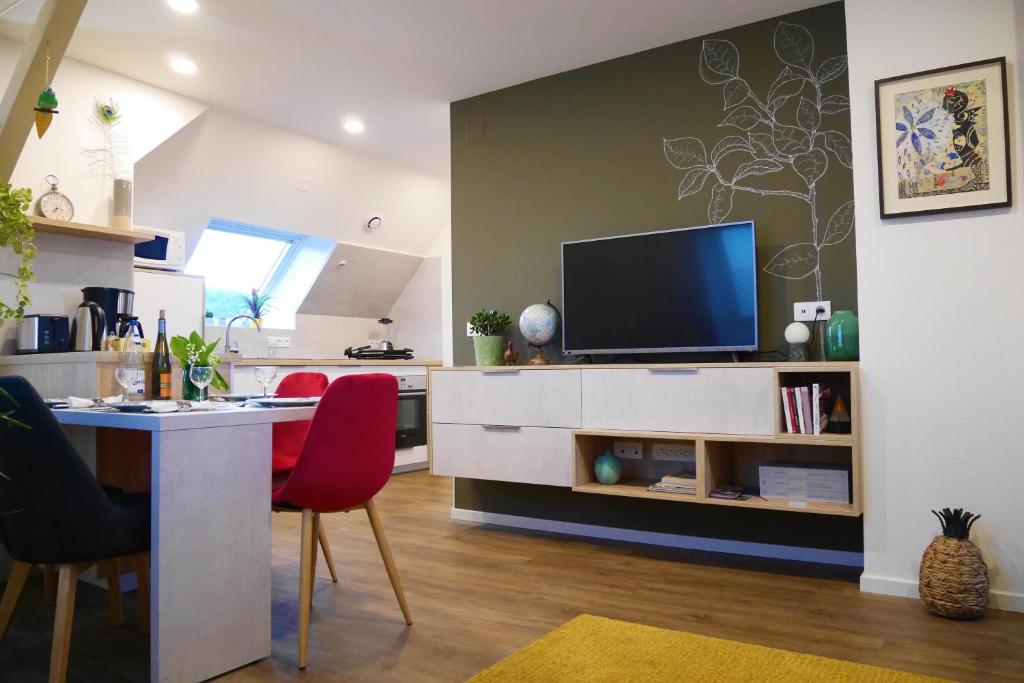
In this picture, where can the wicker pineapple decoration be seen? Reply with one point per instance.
(954, 577)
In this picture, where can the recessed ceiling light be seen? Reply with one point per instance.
(353, 125)
(184, 66)
(183, 6)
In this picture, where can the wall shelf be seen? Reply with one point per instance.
(96, 232)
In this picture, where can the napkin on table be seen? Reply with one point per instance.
(163, 406)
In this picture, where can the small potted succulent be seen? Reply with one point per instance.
(257, 305)
(490, 326)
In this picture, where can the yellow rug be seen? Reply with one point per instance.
(590, 648)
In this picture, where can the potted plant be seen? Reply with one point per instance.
(256, 305)
(193, 350)
(16, 233)
(490, 327)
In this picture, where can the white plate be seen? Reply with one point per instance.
(285, 402)
(238, 398)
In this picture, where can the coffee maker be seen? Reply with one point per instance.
(115, 302)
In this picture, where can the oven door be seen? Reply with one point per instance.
(412, 419)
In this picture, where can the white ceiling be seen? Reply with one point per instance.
(303, 65)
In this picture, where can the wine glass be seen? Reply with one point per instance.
(127, 376)
(265, 374)
(201, 376)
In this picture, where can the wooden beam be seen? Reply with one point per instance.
(51, 34)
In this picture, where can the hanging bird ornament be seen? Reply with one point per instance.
(46, 105)
(45, 108)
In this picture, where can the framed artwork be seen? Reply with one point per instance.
(943, 140)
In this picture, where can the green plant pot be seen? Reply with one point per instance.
(189, 391)
(489, 350)
(842, 337)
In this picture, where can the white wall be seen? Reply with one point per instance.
(149, 116)
(417, 312)
(943, 380)
(230, 167)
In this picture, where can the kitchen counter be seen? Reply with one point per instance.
(69, 357)
(328, 362)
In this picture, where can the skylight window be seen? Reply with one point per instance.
(235, 259)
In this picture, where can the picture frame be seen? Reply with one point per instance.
(944, 140)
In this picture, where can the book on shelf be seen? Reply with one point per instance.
(806, 409)
(672, 488)
(681, 482)
(727, 492)
(681, 479)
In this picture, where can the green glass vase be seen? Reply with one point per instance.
(842, 336)
(189, 391)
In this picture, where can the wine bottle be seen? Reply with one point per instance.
(161, 375)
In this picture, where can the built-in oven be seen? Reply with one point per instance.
(412, 411)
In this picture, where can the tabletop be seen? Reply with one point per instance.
(161, 422)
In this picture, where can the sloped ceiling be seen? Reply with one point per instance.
(367, 286)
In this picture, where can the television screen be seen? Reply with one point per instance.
(689, 289)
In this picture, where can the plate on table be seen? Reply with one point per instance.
(238, 398)
(296, 402)
(131, 407)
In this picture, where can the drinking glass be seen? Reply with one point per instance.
(265, 374)
(201, 376)
(126, 375)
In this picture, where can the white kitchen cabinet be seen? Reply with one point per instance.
(528, 455)
(528, 398)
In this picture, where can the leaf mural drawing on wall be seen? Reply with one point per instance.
(840, 226)
(685, 153)
(839, 144)
(794, 45)
(693, 181)
(795, 262)
(776, 151)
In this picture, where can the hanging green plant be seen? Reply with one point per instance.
(17, 234)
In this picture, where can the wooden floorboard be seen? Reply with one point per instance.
(479, 593)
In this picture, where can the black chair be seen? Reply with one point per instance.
(53, 512)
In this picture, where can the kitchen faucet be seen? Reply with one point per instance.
(227, 332)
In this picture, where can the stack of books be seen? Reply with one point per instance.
(805, 409)
(675, 483)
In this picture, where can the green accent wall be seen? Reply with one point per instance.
(581, 154)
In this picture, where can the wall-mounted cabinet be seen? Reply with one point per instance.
(548, 425)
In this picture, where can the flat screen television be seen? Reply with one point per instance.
(687, 289)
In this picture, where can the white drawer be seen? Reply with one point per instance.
(526, 455)
(710, 400)
(529, 398)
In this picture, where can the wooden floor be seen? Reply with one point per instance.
(480, 593)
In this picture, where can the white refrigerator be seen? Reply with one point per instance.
(183, 297)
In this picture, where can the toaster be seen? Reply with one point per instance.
(43, 334)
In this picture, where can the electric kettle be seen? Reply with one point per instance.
(89, 328)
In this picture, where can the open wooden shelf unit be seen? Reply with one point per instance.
(724, 459)
(96, 232)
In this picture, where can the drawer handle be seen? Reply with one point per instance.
(502, 428)
(500, 371)
(674, 371)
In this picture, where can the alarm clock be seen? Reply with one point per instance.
(55, 205)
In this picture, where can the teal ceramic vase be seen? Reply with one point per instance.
(608, 469)
(842, 337)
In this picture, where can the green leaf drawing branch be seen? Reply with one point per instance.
(768, 146)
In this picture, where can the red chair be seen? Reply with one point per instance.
(288, 438)
(346, 460)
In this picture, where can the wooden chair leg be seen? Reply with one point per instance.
(307, 555)
(389, 560)
(67, 584)
(326, 547)
(312, 565)
(142, 579)
(115, 611)
(15, 584)
(49, 585)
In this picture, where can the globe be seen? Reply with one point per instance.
(539, 324)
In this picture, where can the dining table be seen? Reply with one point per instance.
(210, 590)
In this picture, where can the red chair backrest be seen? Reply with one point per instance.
(350, 446)
(289, 436)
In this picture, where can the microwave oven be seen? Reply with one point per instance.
(165, 252)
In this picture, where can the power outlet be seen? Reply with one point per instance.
(805, 311)
(279, 342)
(629, 449)
(470, 332)
(676, 452)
